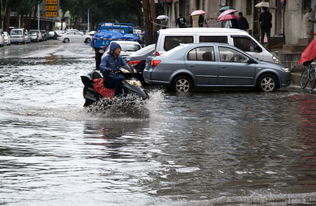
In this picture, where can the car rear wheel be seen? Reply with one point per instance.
(66, 40)
(87, 40)
(182, 84)
(267, 83)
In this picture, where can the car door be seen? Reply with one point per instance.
(234, 69)
(201, 63)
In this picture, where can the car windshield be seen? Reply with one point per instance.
(16, 32)
(176, 49)
(148, 49)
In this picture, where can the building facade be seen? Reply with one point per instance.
(287, 15)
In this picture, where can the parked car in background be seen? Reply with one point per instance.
(19, 35)
(52, 35)
(72, 36)
(89, 36)
(44, 35)
(191, 66)
(1, 38)
(36, 35)
(127, 48)
(6, 38)
(138, 59)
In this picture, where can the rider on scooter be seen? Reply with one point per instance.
(110, 65)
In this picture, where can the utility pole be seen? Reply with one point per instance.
(88, 20)
(38, 16)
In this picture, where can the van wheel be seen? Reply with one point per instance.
(66, 40)
(182, 84)
(267, 83)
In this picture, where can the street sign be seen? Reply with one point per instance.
(51, 13)
(51, 2)
(51, 7)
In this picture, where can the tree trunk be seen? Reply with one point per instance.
(7, 19)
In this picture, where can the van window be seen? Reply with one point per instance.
(173, 41)
(245, 43)
(219, 39)
(16, 32)
(231, 55)
(201, 54)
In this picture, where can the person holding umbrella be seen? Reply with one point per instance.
(181, 21)
(265, 24)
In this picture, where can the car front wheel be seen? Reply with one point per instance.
(87, 40)
(267, 83)
(182, 84)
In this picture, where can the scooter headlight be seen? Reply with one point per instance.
(134, 83)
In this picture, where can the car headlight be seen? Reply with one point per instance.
(285, 69)
(276, 60)
(134, 82)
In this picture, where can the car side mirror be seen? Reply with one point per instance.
(251, 61)
(258, 49)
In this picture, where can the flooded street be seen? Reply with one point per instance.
(216, 148)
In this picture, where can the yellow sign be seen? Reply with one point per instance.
(51, 8)
(51, 13)
(51, 1)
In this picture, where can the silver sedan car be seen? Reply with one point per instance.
(201, 65)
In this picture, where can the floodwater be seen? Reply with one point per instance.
(216, 148)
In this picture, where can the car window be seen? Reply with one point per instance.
(230, 55)
(201, 54)
(16, 32)
(220, 39)
(245, 43)
(173, 41)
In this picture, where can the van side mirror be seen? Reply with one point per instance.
(258, 48)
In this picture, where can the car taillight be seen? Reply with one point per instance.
(157, 53)
(154, 63)
(133, 63)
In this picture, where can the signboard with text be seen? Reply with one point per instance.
(51, 8)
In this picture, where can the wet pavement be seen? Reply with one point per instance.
(210, 148)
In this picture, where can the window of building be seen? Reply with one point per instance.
(201, 54)
(220, 39)
(173, 41)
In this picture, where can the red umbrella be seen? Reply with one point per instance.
(228, 17)
(309, 53)
(197, 12)
(228, 11)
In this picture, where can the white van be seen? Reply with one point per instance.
(19, 35)
(170, 38)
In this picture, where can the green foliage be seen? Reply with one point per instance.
(103, 10)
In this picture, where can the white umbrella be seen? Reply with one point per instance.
(160, 17)
(262, 4)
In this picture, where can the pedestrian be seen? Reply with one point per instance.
(110, 65)
(242, 22)
(181, 21)
(308, 22)
(265, 24)
(201, 21)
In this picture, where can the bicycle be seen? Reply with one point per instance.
(308, 76)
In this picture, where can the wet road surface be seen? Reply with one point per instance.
(217, 148)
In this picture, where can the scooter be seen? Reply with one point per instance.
(94, 90)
